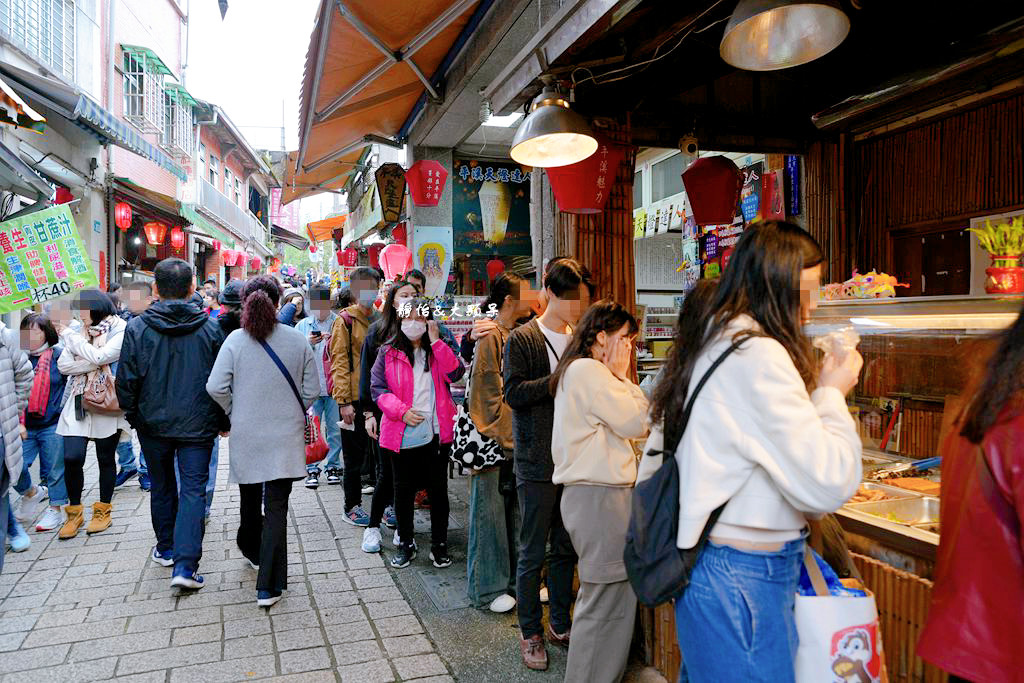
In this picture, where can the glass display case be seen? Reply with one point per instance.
(919, 355)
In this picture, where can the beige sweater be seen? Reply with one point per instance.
(596, 414)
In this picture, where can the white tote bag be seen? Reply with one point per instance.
(840, 640)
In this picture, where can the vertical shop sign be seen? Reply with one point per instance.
(41, 258)
(793, 184)
(432, 251)
(750, 195)
(391, 186)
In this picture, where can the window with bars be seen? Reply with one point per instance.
(238, 192)
(177, 136)
(226, 190)
(143, 92)
(45, 29)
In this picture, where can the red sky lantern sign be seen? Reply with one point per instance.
(348, 257)
(242, 258)
(426, 182)
(230, 257)
(713, 186)
(395, 260)
(156, 233)
(123, 216)
(584, 187)
(255, 263)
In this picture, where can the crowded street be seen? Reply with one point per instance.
(588, 341)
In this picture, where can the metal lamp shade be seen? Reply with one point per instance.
(552, 135)
(766, 35)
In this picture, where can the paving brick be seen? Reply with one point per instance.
(322, 676)
(148, 677)
(391, 608)
(132, 609)
(96, 593)
(285, 622)
(380, 594)
(249, 646)
(299, 639)
(298, 661)
(323, 567)
(84, 570)
(35, 658)
(252, 626)
(96, 670)
(169, 658)
(232, 670)
(347, 633)
(204, 599)
(109, 579)
(189, 635)
(11, 624)
(419, 666)
(343, 615)
(436, 679)
(124, 644)
(365, 562)
(354, 653)
(374, 581)
(405, 646)
(345, 599)
(330, 585)
(11, 641)
(175, 619)
(368, 672)
(390, 627)
(75, 633)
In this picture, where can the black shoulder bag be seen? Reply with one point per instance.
(657, 569)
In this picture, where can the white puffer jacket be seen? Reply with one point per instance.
(15, 386)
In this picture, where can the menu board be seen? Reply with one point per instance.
(750, 195)
(43, 258)
(658, 260)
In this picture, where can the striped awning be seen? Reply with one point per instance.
(123, 135)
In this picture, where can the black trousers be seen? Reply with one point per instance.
(507, 486)
(353, 452)
(263, 531)
(425, 467)
(541, 521)
(74, 466)
(384, 489)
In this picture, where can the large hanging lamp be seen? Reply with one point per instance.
(766, 35)
(552, 134)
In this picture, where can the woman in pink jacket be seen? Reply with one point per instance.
(410, 385)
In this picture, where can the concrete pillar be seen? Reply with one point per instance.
(440, 215)
(543, 216)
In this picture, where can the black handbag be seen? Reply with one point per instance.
(657, 569)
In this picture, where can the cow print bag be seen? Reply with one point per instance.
(471, 448)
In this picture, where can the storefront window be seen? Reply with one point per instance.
(638, 189)
(666, 177)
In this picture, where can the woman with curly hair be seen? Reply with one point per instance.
(598, 409)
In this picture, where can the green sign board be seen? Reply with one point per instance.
(41, 258)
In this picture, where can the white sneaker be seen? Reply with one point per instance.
(396, 541)
(502, 604)
(544, 595)
(51, 519)
(371, 540)
(29, 505)
(367, 490)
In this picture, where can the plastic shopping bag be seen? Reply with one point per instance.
(316, 451)
(840, 640)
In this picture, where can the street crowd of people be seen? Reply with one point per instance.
(549, 383)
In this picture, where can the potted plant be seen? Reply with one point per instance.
(1004, 243)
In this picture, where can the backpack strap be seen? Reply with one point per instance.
(347, 318)
(284, 371)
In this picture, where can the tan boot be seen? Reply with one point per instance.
(100, 518)
(73, 524)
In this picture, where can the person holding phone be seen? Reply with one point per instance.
(317, 328)
(412, 387)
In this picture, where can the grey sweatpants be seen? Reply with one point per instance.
(596, 518)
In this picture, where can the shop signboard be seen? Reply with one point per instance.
(691, 264)
(793, 185)
(286, 217)
(42, 258)
(433, 253)
(491, 208)
(367, 216)
(709, 253)
(391, 187)
(639, 223)
(750, 195)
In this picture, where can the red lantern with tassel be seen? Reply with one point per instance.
(230, 257)
(584, 187)
(242, 258)
(123, 216)
(495, 267)
(426, 181)
(312, 247)
(156, 233)
(216, 245)
(350, 257)
(256, 263)
(395, 260)
(713, 185)
(400, 234)
(177, 237)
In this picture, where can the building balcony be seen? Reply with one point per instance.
(245, 226)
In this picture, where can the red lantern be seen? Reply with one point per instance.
(242, 258)
(584, 187)
(395, 260)
(713, 185)
(230, 257)
(400, 234)
(312, 247)
(177, 237)
(155, 233)
(349, 257)
(216, 245)
(426, 181)
(495, 267)
(374, 255)
(123, 216)
(63, 195)
(255, 263)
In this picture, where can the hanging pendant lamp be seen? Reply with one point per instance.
(552, 134)
(766, 35)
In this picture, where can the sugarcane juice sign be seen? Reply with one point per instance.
(41, 258)
(491, 208)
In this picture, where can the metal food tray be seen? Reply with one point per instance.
(895, 492)
(911, 511)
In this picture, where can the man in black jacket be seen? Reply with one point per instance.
(531, 355)
(166, 359)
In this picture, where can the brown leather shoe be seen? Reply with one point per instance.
(534, 655)
(561, 639)
(100, 518)
(72, 524)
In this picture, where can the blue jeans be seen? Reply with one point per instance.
(327, 408)
(491, 553)
(126, 458)
(735, 620)
(211, 483)
(5, 507)
(45, 444)
(178, 515)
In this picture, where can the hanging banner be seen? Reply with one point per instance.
(491, 208)
(391, 187)
(43, 258)
(793, 184)
(433, 254)
(286, 217)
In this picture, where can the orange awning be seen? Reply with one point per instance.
(320, 231)
(330, 176)
(368, 65)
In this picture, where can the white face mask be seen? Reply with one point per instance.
(414, 329)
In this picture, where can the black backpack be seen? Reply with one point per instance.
(657, 569)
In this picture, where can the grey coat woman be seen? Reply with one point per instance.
(15, 385)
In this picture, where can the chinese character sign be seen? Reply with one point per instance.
(286, 217)
(491, 208)
(391, 187)
(41, 258)
(432, 248)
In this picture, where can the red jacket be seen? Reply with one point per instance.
(976, 625)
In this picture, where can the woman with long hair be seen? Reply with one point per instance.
(770, 438)
(265, 359)
(974, 626)
(493, 506)
(598, 409)
(412, 387)
(90, 349)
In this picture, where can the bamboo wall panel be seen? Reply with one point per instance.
(942, 171)
(822, 207)
(604, 242)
